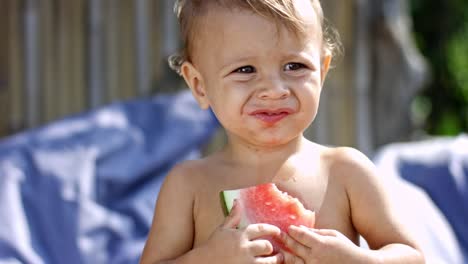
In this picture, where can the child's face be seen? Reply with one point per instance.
(262, 82)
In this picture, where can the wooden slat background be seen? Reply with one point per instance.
(82, 54)
(46, 61)
(335, 123)
(4, 51)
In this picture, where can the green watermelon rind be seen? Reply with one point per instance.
(227, 202)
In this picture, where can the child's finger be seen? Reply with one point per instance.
(276, 259)
(234, 217)
(261, 247)
(289, 258)
(331, 233)
(326, 232)
(255, 231)
(304, 236)
(294, 246)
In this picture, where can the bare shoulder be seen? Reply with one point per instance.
(370, 206)
(348, 163)
(190, 173)
(172, 230)
(356, 172)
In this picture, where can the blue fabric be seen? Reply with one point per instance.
(444, 177)
(438, 166)
(82, 189)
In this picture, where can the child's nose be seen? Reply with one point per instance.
(273, 89)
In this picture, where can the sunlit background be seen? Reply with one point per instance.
(94, 74)
(63, 57)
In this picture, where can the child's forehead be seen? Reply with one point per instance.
(307, 20)
(283, 11)
(304, 21)
(230, 34)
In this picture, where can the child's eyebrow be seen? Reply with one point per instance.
(300, 54)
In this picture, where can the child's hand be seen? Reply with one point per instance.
(310, 246)
(230, 245)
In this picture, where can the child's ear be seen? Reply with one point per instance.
(196, 84)
(326, 60)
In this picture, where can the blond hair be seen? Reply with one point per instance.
(281, 11)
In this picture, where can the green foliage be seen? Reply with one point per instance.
(441, 32)
(457, 52)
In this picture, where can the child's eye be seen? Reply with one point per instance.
(294, 66)
(245, 69)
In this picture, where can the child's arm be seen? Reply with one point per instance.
(172, 232)
(371, 215)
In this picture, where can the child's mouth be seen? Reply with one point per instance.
(271, 116)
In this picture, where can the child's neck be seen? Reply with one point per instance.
(264, 164)
(252, 155)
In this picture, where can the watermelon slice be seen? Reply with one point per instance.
(265, 203)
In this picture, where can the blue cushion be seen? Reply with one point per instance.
(83, 189)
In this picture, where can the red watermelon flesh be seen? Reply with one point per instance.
(265, 203)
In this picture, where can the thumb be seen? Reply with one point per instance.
(234, 217)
